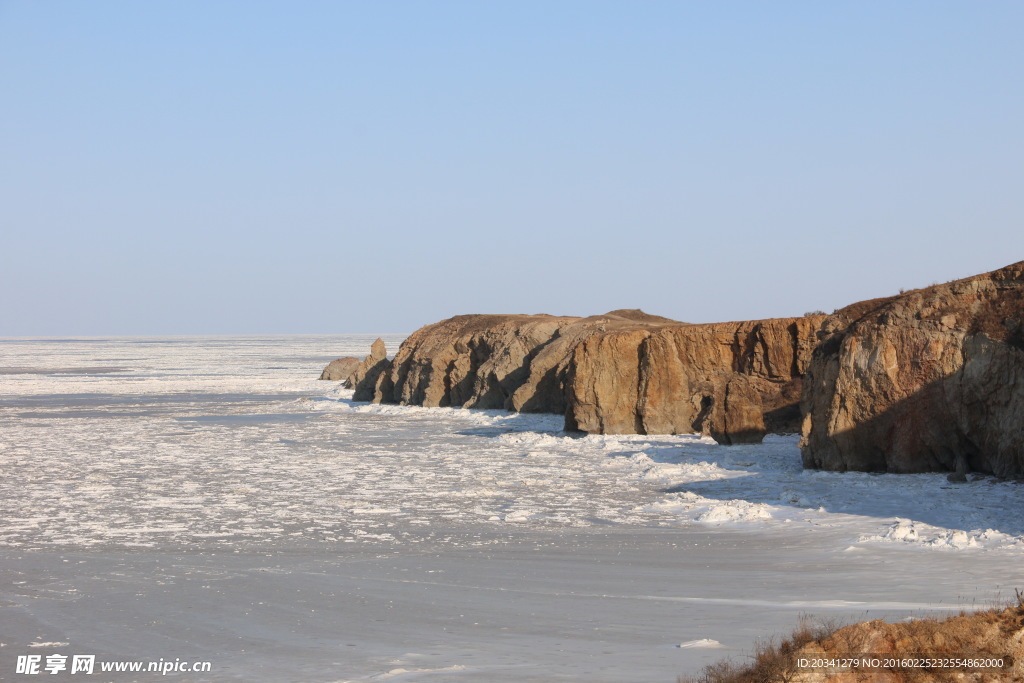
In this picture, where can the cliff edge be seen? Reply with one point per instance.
(932, 379)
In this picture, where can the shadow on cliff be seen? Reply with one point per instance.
(967, 421)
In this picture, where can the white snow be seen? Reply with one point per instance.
(230, 441)
(702, 643)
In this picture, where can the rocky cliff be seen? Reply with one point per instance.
(622, 372)
(733, 381)
(932, 379)
(515, 362)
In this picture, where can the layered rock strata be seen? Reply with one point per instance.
(932, 379)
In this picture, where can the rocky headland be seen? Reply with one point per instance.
(929, 380)
(923, 381)
(619, 373)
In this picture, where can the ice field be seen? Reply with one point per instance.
(210, 499)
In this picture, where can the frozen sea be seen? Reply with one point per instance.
(208, 499)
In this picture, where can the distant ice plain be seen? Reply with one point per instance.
(209, 499)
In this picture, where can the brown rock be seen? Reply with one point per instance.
(340, 369)
(932, 379)
(515, 362)
(732, 381)
(365, 378)
(622, 372)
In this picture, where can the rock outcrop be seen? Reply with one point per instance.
(932, 379)
(340, 369)
(514, 362)
(622, 372)
(732, 381)
(366, 375)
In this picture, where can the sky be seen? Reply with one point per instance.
(337, 167)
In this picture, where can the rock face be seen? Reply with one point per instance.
(366, 375)
(340, 369)
(515, 362)
(732, 381)
(932, 379)
(622, 372)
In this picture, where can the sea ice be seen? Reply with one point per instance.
(226, 461)
(703, 643)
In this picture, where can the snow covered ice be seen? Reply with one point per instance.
(209, 498)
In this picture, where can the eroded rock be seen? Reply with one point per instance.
(514, 362)
(367, 375)
(732, 381)
(932, 379)
(622, 372)
(340, 369)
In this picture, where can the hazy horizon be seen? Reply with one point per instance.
(323, 168)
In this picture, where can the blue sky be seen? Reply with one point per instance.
(307, 167)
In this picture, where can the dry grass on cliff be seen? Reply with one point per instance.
(994, 633)
(772, 661)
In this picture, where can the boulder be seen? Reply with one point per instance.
(340, 369)
(932, 379)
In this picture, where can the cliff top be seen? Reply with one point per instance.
(988, 303)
